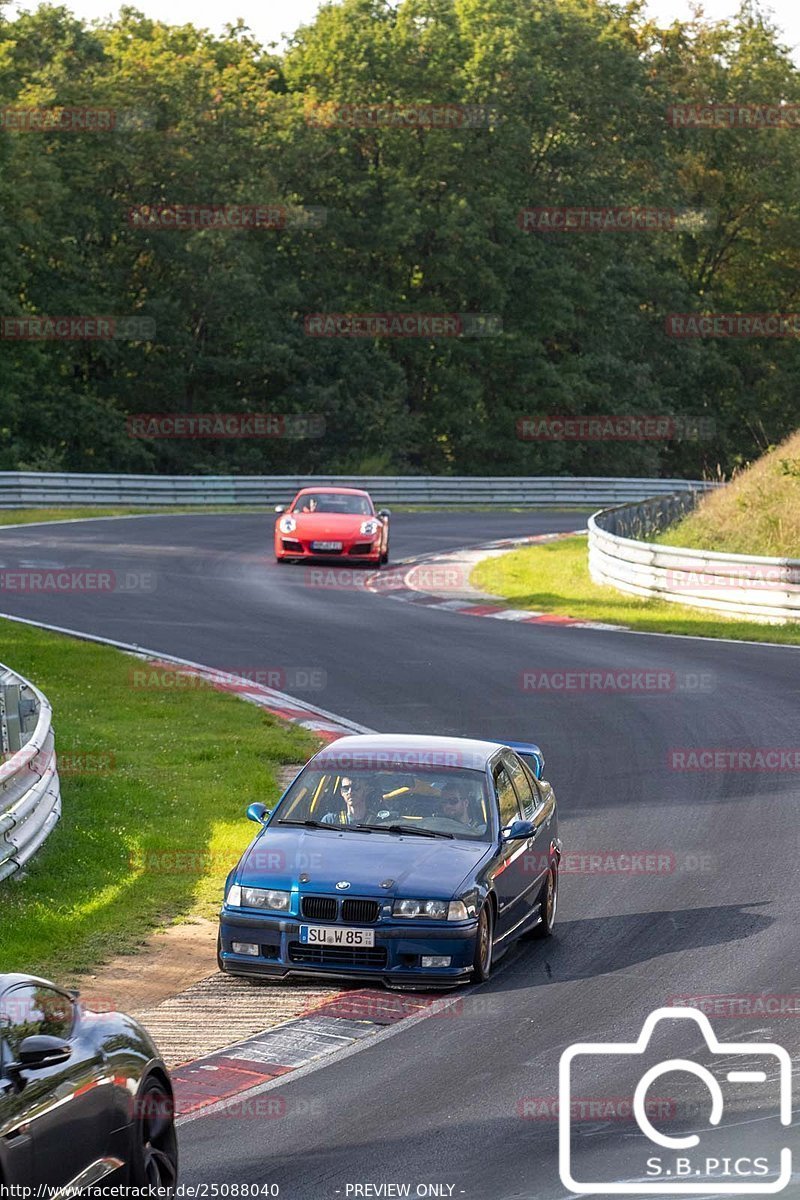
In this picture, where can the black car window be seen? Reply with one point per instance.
(34, 1009)
(506, 798)
(519, 777)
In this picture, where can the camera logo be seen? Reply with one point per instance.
(684, 1166)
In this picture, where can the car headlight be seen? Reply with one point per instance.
(287, 524)
(370, 528)
(265, 898)
(433, 910)
(234, 896)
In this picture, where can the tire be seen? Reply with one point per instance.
(484, 945)
(154, 1145)
(385, 556)
(548, 898)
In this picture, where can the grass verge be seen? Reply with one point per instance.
(555, 578)
(154, 786)
(29, 516)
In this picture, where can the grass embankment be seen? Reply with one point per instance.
(555, 578)
(758, 512)
(154, 782)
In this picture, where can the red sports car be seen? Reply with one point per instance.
(332, 522)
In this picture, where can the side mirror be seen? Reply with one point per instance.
(279, 508)
(39, 1051)
(383, 513)
(519, 831)
(257, 813)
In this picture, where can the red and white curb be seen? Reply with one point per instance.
(230, 1082)
(319, 721)
(326, 725)
(441, 581)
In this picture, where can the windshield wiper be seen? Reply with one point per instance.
(434, 833)
(310, 824)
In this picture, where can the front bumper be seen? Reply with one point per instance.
(396, 957)
(353, 550)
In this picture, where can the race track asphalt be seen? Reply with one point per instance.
(467, 1102)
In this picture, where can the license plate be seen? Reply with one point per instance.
(326, 545)
(330, 935)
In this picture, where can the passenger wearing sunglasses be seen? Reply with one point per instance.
(455, 805)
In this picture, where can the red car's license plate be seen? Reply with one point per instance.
(326, 545)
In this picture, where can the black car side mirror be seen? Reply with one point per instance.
(519, 831)
(38, 1051)
(383, 513)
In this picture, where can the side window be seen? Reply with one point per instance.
(29, 1010)
(507, 797)
(519, 777)
(536, 788)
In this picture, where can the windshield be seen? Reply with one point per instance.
(436, 801)
(332, 502)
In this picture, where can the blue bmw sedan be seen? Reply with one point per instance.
(411, 860)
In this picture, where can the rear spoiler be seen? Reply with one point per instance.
(531, 753)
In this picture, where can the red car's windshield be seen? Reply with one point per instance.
(332, 502)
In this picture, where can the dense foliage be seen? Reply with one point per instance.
(416, 219)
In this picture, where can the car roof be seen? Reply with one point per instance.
(11, 980)
(473, 753)
(339, 491)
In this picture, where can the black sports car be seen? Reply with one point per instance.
(84, 1097)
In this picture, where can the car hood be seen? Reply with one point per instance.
(420, 867)
(328, 525)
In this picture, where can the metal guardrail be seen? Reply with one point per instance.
(30, 794)
(738, 585)
(26, 489)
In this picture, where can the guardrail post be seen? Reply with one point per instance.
(10, 724)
